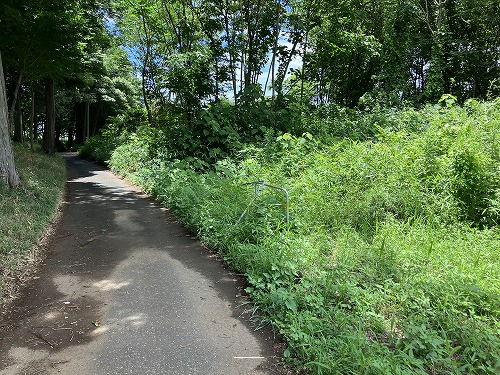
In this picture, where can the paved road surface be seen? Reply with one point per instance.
(126, 290)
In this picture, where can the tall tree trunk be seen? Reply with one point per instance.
(303, 69)
(15, 95)
(71, 132)
(32, 122)
(35, 120)
(49, 132)
(8, 173)
(230, 47)
(80, 123)
(217, 90)
(283, 69)
(87, 121)
(145, 63)
(242, 69)
(144, 89)
(277, 29)
(18, 121)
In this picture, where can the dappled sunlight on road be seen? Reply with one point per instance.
(52, 315)
(90, 178)
(71, 286)
(127, 290)
(99, 331)
(106, 285)
(129, 220)
(136, 320)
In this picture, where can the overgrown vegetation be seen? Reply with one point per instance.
(25, 213)
(390, 262)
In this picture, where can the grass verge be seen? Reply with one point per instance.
(26, 214)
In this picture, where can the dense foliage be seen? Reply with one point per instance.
(190, 53)
(390, 261)
(65, 73)
(192, 57)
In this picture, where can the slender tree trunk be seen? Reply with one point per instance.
(87, 120)
(273, 87)
(49, 132)
(230, 48)
(283, 69)
(15, 98)
(32, 121)
(8, 173)
(145, 96)
(35, 119)
(277, 29)
(303, 70)
(216, 81)
(58, 137)
(71, 131)
(80, 123)
(18, 121)
(95, 113)
(269, 72)
(145, 63)
(242, 70)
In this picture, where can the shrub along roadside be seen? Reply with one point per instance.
(26, 213)
(388, 265)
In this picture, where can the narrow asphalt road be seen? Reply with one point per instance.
(126, 290)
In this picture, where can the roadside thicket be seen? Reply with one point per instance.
(389, 263)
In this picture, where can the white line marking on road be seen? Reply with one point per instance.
(248, 357)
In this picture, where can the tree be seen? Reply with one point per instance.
(106, 91)
(49, 41)
(8, 173)
(436, 47)
(190, 53)
(345, 50)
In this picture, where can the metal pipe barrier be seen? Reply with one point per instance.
(258, 187)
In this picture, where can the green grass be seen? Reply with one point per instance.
(26, 212)
(390, 264)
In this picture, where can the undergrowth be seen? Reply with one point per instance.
(390, 262)
(25, 212)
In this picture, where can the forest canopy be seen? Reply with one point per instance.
(193, 52)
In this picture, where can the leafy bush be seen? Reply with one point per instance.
(100, 147)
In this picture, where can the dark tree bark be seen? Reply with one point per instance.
(8, 173)
(80, 123)
(49, 132)
(70, 138)
(15, 98)
(32, 121)
(35, 118)
(18, 122)
(87, 121)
